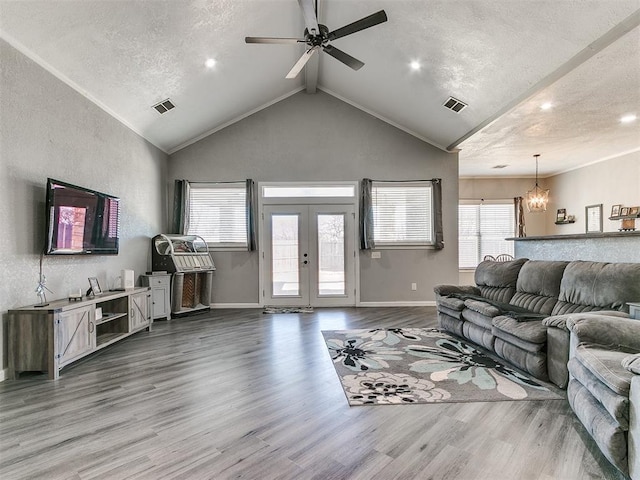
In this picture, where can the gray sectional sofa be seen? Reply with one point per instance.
(567, 323)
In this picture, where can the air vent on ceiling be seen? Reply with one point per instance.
(164, 106)
(454, 104)
(500, 166)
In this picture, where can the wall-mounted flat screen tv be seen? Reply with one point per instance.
(81, 221)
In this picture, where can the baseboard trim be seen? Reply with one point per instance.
(235, 305)
(425, 303)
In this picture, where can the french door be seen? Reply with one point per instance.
(309, 255)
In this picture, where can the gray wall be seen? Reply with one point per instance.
(318, 137)
(48, 129)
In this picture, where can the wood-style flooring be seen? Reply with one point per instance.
(240, 394)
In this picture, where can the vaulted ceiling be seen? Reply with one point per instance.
(504, 58)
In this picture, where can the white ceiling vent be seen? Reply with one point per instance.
(454, 104)
(164, 106)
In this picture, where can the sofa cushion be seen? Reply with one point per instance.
(534, 363)
(616, 405)
(444, 290)
(497, 280)
(607, 433)
(589, 286)
(451, 303)
(538, 285)
(530, 332)
(482, 308)
(477, 318)
(450, 324)
(606, 365)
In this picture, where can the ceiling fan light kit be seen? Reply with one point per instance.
(537, 198)
(318, 37)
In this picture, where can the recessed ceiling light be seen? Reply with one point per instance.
(415, 65)
(210, 63)
(628, 118)
(546, 106)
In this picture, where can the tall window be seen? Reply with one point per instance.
(402, 213)
(482, 229)
(218, 213)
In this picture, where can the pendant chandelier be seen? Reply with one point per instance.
(537, 198)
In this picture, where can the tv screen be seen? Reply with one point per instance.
(80, 221)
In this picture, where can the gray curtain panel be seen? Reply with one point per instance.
(252, 243)
(437, 213)
(518, 203)
(180, 207)
(366, 215)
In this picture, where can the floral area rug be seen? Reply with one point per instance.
(419, 365)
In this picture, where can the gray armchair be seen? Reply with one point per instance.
(604, 363)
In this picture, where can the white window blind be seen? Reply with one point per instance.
(217, 212)
(402, 213)
(482, 229)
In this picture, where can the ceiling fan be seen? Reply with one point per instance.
(318, 37)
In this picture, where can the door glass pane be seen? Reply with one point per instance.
(331, 261)
(285, 275)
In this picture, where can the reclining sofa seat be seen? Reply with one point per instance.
(603, 389)
(587, 287)
(522, 284)
(524, 342)
(495, 281)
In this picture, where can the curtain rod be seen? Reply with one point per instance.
(406, 181)
(230, 181)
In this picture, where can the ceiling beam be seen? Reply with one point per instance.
(311, 73)
(313, 65)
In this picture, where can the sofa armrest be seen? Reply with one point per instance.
(632, 363)
(616, 332)
(444, 290)
(560, 321)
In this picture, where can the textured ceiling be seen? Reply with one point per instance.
(502, 57)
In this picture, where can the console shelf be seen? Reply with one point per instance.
(50, 337)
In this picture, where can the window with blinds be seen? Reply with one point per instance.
(482, 229)
(402, 213)
(217, 212)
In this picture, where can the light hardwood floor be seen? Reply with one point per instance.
(240, 394)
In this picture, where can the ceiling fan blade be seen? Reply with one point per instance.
(293, 73)
(293, 41)
(345, 58)
(310, 17)
(366, 22)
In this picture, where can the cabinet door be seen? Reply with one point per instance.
(76, 334)
(160, 296)
(139, 311)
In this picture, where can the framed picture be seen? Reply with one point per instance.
(561, 216)
(615, 210)
(624, 211)
(593, 215)
(634, 211)
(94, 286)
